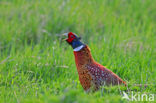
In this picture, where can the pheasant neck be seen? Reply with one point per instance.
(83, 56)
(76, 44)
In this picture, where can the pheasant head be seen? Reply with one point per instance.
(73, 40)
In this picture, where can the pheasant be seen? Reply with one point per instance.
(92, 75)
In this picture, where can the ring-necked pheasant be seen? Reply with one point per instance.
(91, 74)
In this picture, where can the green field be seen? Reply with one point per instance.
(37, 66)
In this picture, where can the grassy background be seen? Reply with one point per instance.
(36, 66)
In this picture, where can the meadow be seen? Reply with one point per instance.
(36, 66)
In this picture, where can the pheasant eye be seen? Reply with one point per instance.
(71, 36)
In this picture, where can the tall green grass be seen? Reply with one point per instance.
(36, 66)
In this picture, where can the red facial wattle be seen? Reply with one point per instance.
(71, 37)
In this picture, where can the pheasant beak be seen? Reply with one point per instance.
(65, 36)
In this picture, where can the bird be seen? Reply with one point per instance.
(92, 75)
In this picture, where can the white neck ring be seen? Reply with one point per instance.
(79, 48)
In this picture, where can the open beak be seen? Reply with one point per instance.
(65, 36)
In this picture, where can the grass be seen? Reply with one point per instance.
(36, 66)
